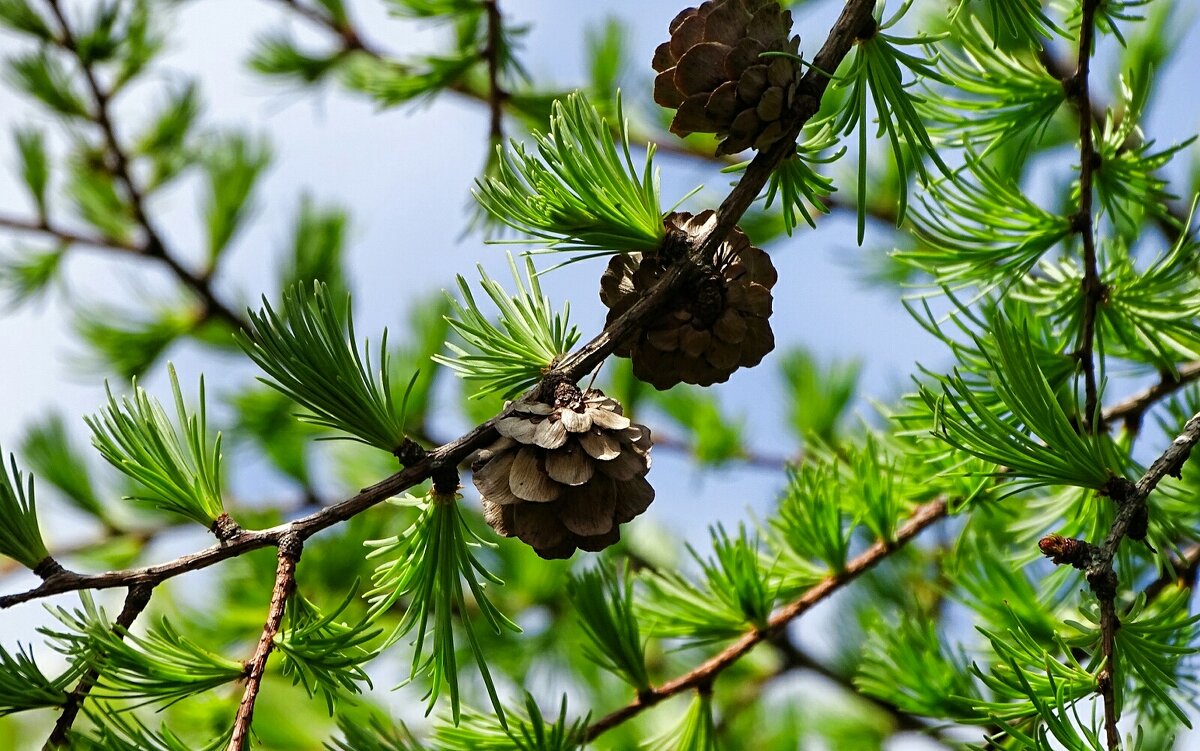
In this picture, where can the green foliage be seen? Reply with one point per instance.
(736, 593)
(94, 193)
(811, 524)
(912, 667)
(166, 140)
(979, 228)
(1029, 434)
(35, 166)
(695, 732)
(24, 686)
(820, 394)
(162, 667)
(322, 653)
(999, 97)
(582, 194)
(129, 344)
(49, 451)
(429, 562)
(28, 274)
(510, 358)
(378, 735)
(1019, 20)
(20, 536)
(317, 249)
(20, 16)
(277, 54)
(232, 165)
(796, 183)
(310, 356)
(528, 730)
(124, 731)
(876, 69)
(606, 614)
(43, 77)
(715, 438)
(174, 465)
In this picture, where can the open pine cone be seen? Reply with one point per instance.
(565, 475)
(712, 73)
(710, 328)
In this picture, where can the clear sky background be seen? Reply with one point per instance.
(405, 176)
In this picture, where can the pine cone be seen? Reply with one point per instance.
(711, 327)
(565, 475)
(711, 72)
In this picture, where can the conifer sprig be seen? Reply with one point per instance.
(508, 358)
(1028, 433)
(605, 605)
(20, 535)
(173, 463)
(24, 686)
(308, 351)
(876, 70)
(428, 564)
(580, 193)
(160, 668)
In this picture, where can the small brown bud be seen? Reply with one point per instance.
(1066, 551)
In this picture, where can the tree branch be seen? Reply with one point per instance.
(65, 236)
(1132, 410)
(705, 673)
(491, 53)
(1077, 88)
(1103, 578)
(154, 246)
(291, 546)
(135, 602)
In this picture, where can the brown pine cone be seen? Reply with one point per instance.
(565, 475)
(711, 327)
(712, 73)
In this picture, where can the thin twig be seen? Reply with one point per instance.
(924, 516)
(154, 247)
(290, 549)
(135, 602)
(1077, 88)
(491, 53)
(65, 236)
(1100, 573)
(1131, 410)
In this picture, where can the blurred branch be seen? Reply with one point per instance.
(65, 236)
(1132, 410)
(154, 246)
(491, 53)
(705, 673)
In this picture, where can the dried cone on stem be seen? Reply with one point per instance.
(713, 74)
(713, 325)
(565, 475)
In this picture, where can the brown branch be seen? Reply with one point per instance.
(65, 236)
(1077, 88)
(491, 53)
(1131, 410)
(1183, 573)
(154, 247)
(1100, 574)
(135, 602)
(290, 548)
(705, 673)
